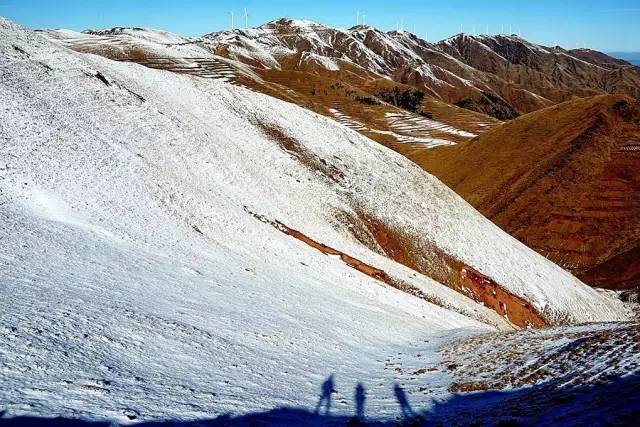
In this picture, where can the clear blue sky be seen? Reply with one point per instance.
(603, 25)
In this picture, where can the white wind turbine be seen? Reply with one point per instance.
(232, 23)
(246, 18)
(357, 17)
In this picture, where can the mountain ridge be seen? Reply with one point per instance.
(454, 70)
(563, 180)
(387, 53)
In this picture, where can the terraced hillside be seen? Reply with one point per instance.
(564, 180)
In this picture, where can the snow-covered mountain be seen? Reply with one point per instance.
(501, 75)
(178, 247)
(362, 100)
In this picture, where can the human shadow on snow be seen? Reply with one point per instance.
(612, 403)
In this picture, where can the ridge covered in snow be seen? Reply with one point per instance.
(488, 74)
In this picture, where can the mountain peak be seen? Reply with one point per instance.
(362, 27)
(292, 22)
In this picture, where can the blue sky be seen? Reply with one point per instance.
(602, 25)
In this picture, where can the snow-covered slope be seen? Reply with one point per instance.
(149, 266)
(153, 48)
(118, 40)
(374, 50)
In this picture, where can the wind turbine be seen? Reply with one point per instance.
(364, 19)
(357, 17)
(402, 24)
(232, 23)
(246, 19)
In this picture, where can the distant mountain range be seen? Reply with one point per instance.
(502, 76)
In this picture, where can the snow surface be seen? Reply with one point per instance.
(149, 34)
(406, 122)
(136, 278)
(121, 40)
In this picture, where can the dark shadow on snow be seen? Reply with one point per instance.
(612, 403)
(325, 396)
(405, 407)
(359, 397)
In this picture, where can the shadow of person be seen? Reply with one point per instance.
(359, 397)
(405, 407)
(325, 396)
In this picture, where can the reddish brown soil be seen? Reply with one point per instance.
(454, 274)
(519, 312)
(352, 262)
(564, 180)
(445, 269)
(484, 290)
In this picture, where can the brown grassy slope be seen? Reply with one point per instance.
(564, 180)
(531, 77)
(353, 92)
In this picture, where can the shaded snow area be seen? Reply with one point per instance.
(143, 279)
